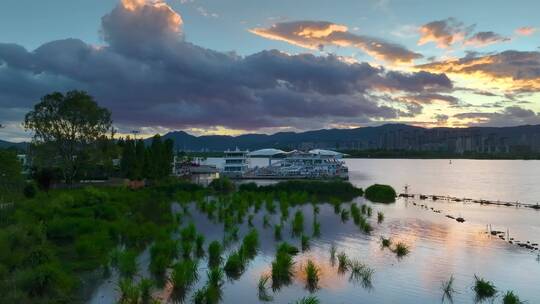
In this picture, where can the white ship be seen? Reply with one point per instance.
(314, 164)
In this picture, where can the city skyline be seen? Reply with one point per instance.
(211, 67)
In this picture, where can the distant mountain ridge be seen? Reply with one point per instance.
(6, 144)
(386, 137)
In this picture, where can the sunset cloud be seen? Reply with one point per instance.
(509, 116)
(315, 35)
(508, 70)
(448, 32)
(525, 30)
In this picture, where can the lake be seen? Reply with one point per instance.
(440, 247)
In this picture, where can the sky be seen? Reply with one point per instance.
(245, 66)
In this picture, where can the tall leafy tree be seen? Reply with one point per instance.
(69, 127)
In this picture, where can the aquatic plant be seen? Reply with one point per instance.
(270, 206)
(214, 254)
(199, 296)
(369, 211)
(380, 217)
(129, 293)
(298, 223)
(401, 249)
(364, 209)
(214, 284)
(199, 245)
(333, 250)
(312, 276)
(448, 289)
(386, 242)
(250, 220)
(304, 242)
(127, 263)
(344, 215)
(483, 288)
(380, 193)
(187, 247)
(308, 300)
(360, 272)
(282, 268)
(250, 243)
(365, 226)
(337, 205)
(188, 233)
(316, 210)
(343, 262)
(511, 298)
(287, 248)
(284, 207)
(183, 276)
(316, 228)
(277, 232)
(263, 289)
(235, 264)
(145, 290)
(266, 221)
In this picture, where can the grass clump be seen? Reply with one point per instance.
(127, 263)
(344, 215)
(484, 289)
(386, 242)
(448, 289)
(199, 245)
(298, 223)
(277, 232)
(360, 272)
(305, 242)
(282, 266)
(308, 300)
(401, 249)
(250, 244)
(333, 254)
(263, 294)
(380, 217)
(380, 193)
(183, 276)
(235, 264)
(316, 228)
(214, 254)
(511, 298)
(312, 273)
(343, 262)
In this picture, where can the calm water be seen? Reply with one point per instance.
(440, 247)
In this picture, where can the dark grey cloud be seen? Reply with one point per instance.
(509, 116)
(148, 75)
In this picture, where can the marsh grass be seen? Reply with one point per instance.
(263, 294)
(214, 254)
(316, 228)
(298, 223)
(380, 217)
(250, 220)
(250, 244)
(308, 300)
(483, 288)
(448, 289)
(401, 249)
(304, 242)
(145, 289)
(343, 262)
(360, 272)
(235, 264)
(282, 269)
(183, 276)
(369, 211)
(344, 215)
(386, 242)
(312, 273)
(277, 232)
(266, 221)
(199, 246)
(511, 298)
(129, 293)
(333, 255)
(127, 263)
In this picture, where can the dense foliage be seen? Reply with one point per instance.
(152, 162)
(11, 179)
(53, 239)
(381, 193)
(319, 189)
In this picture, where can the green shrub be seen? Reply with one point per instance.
(381, 193)
(298, 223)
(221, 185)
(511, 298)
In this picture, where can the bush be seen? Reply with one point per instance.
(221, 185)
(381, 193)
(30, 190)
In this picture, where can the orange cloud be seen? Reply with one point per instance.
(509, 70)
(525, 30)
(315, 35)
(174, 20)
(443, 33)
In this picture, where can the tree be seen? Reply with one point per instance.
(68, 127)
(11, 179)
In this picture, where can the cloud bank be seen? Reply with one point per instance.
(148, 75)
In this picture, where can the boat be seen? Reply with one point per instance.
(313, 164)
